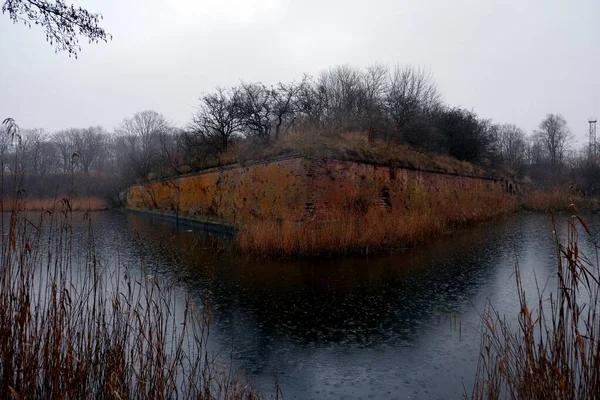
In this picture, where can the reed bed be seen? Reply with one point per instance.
(73, 328)
(52, 204)
(554, 351)
(373, 230)
(558, 199)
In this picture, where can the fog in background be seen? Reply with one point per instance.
(512, 61)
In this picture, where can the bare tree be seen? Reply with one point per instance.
(217, 121)
(5, 144)
(511, 144)
(48, 158)
(63, 23)
(80, 148)
(65, 146)
(555, 136)
(142, 138)
(535, 153)
(285, 106)
(122, 167)
(344, 92)
(411, 92)
(265, 112)
(31, 149)
(375, 85)
(171, 156)
(375, 81)
(256, 110)
(312, 102)
(89, 145)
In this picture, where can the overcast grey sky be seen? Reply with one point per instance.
(512, 61)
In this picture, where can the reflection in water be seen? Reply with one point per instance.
(386, 326)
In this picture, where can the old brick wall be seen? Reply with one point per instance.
(298, 188)
(340, 184)
(231, 195)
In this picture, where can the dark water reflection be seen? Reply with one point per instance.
(387, 326)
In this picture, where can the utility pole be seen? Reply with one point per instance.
(592, 122)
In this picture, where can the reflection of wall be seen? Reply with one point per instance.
(295, 188)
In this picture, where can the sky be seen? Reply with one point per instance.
(512, 61)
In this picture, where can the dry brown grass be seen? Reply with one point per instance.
(76, 204)
(70, 328)
(349, 146)
(375, 230)
(554, 350)
(558, 199)
(356, 146)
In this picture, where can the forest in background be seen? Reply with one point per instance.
(398, 107)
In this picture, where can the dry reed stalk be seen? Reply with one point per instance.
(554, 352)
(549, 199)
(78, 330)
(75, 204)
(558, 199)
(376, 229)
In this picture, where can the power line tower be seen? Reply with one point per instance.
(592, 121)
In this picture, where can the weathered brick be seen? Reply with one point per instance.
(297, 188)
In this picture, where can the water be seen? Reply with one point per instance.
(401, 326)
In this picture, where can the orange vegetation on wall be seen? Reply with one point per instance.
(230, 195)
(360, 207)
(313, 206)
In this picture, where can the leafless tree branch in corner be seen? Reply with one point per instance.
(62, 23)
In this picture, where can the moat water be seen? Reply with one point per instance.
(401, 326)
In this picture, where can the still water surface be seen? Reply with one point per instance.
(401, 326)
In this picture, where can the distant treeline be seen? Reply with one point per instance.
(58, 186)
(398, 106)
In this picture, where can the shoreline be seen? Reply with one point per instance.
(343, 233)
(206, 225)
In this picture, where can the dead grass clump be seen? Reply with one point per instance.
(377, 229)
(73, 328)
(554, 351)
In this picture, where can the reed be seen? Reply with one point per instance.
(71, 327)
(52, 204)
(558, 199)
(554, 351)
(373, 230)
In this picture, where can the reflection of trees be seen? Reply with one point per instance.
(357, 299)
